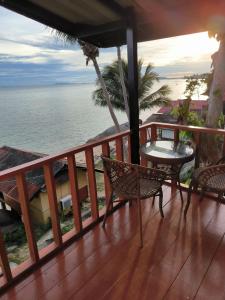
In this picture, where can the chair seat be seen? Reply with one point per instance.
(127, 187)
(217, 183)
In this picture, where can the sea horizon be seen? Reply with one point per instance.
(52, 118)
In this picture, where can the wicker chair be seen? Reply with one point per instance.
(209, 179)
(131, 182)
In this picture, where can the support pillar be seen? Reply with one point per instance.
(133, 87)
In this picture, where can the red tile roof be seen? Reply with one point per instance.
(11, 157)
(195, 105)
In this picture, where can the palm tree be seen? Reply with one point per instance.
(91, 52)
(146, 79)
(122, 82)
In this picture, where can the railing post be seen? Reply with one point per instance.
(197, 142)
(24, 204)
(143, 139)
(129, 149)
(153, 133)
(106, 152)
(92, 182)
(4, 260)
(51, 190)
(223, 144)
(176, 135)
(119, 149)
(74, 192)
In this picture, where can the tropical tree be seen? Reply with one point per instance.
(91, 52)
(217, 89)
(122, 82)
(216, 96)
(146, 79)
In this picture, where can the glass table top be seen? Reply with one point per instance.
(167, 150)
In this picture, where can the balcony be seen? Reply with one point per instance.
(180, 258)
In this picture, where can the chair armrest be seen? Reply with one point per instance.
(221, 161)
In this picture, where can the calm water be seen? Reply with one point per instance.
(52, 118)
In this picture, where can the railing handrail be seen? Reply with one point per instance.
(50, 158)
(184, 127)
(53, 157)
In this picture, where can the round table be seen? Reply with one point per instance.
(168, 156)
(167, 152)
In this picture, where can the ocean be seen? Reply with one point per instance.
(48, 119)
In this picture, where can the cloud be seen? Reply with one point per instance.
(30, 53)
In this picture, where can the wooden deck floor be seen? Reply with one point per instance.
(180, 259)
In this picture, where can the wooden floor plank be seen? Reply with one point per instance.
(213, 287)
(197, 264)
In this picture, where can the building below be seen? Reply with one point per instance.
(36, 189)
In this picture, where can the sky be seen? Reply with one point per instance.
(30, 54)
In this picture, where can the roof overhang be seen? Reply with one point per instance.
(103, 22)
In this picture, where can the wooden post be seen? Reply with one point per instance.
(119, 149)
(74, 192)
(4, 262)
(176, 135)
(133, 86)
(106, 152)
(51, 190)
(24, 204)
(153, 133)
(197, 142)
(143, 139)
(92, 183)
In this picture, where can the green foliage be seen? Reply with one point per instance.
(66, 228)
(221, 121)
(146, 79)
(197, 81)
(194, 119)
(17, 237)
(182, 111)
(192, 85)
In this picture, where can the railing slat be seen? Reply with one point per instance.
(143, 139)
(176, 135)
(4, 260)
(74, 192)
(129, 149)
(153, 133)
(92, 183)
(197, 142)
(51, 190)
(119, 148)
(24, 204)
(106, 152)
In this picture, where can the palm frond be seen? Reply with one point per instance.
(158, 98)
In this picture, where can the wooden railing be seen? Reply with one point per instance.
(38, 257)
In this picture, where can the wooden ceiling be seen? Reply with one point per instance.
(103, 22)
